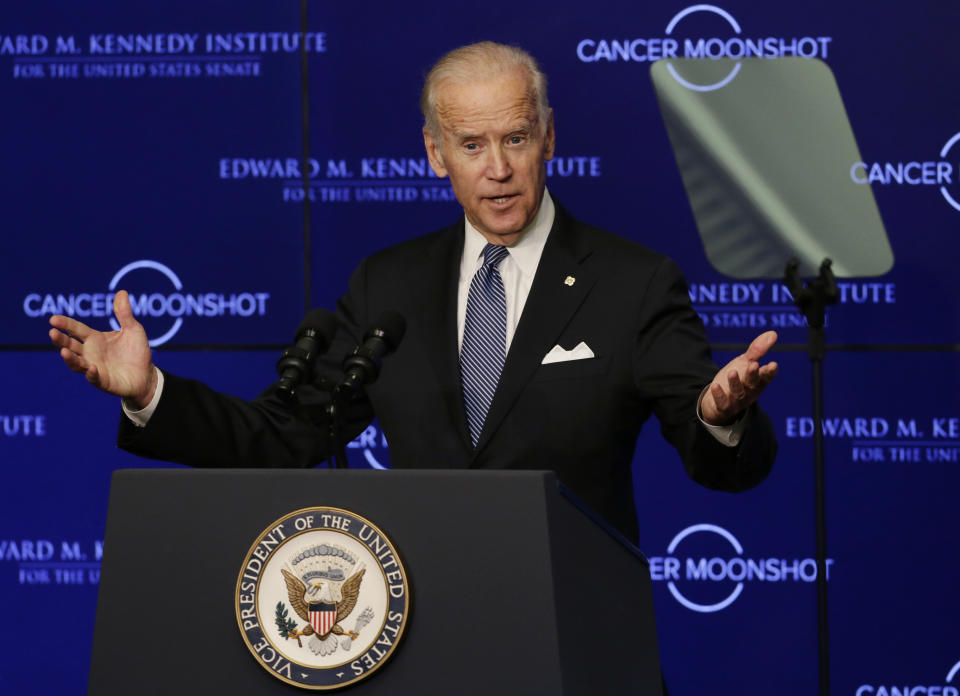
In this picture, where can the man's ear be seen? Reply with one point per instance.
(434, 155)
(549, 138)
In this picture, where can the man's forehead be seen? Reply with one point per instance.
(508, 97)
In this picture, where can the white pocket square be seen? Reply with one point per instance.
(557, 354)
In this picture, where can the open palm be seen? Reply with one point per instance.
(117, 362)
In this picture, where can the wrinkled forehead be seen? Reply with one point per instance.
(507, 98)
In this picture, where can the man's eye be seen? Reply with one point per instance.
(471, 147)
(516, 139)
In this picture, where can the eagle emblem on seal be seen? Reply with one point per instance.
(323, 586)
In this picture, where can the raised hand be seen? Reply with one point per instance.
(739, 382)
(117, 362)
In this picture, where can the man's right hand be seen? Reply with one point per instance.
(117, 362)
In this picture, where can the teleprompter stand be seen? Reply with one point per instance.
(812, 300)
(514, 588)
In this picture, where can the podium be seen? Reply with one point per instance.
(515, 588)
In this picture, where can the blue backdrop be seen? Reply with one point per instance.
(157, 147)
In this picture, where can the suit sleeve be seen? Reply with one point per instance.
(672, 365)
(197, 426)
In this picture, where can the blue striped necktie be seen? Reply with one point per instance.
(484, 347)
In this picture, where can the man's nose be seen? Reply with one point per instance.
(498, 165)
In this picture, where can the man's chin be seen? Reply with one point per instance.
(507, 234)
(507, 225)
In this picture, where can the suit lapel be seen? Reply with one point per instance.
(437, 279)
(549, 307)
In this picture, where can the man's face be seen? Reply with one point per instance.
(493, 151)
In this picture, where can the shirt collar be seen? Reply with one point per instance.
(528, 248)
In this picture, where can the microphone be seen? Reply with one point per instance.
(296, 363)
(363, 365)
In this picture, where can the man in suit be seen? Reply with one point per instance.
(534, 341)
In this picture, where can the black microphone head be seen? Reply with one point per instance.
(295, 364)
(389, 327)
(320, 325)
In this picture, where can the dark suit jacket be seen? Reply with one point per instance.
(579, 418)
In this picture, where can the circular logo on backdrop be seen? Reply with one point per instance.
(709, 49)
(322, 598)
(155, 311)
(734, 593)
(944, 151)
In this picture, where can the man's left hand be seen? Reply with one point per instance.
(739, 383)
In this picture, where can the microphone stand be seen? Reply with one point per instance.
(334, 430)
(812, 300)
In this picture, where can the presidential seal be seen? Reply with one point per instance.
(322, 598)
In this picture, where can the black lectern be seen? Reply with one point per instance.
(515, 589)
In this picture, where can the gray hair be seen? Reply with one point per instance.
(478, 61)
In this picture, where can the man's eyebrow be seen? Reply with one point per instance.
(464, 135)
(524, 126)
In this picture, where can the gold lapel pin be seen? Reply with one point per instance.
(569, 281)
